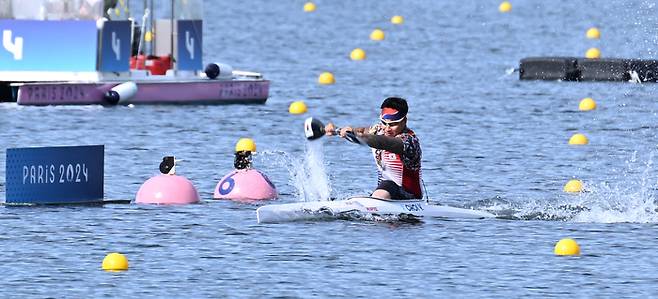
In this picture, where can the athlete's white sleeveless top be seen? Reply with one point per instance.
(403, 169)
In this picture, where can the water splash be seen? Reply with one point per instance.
(311, 181)
(511, 71)
(631, 197)
(308, 174)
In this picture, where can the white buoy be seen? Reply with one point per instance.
(218, 70)
(121, 93)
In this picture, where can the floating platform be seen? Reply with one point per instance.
(584, 69)
(76, 58)
(154, 92)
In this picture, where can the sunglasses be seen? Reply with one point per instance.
(391, 123)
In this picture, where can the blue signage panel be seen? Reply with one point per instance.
(31, 45)
(115, 46)
(189, 45)
(55, 175)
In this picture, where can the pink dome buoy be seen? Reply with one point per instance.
(245, 185)
(167, 189)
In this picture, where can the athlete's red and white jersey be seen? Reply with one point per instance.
(403, 169)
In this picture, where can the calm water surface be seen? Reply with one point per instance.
(489, 141)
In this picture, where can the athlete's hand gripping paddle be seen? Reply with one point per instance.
(314, 129)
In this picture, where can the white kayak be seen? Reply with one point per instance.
(364, 205)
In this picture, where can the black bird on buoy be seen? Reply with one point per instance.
(168, 165)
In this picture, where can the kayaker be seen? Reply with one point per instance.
(396, 150)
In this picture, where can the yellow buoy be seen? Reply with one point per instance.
(397, 20)
(358, 54)
(326, 78)
(309, 7)
(245, 145)
(115, 262)
(567, 247)
(297, 107)
(505, 6)
(377, 34)
(148, 36)
(587, 104)
(593, 33)
(578, 139)
(593, 53)
(573, 186)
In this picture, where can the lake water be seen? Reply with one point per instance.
(489, 142)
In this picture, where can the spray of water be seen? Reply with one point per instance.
(310, 180)
(307, 174)
(629, 197)
(510, 71)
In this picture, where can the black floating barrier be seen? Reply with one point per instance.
(549, 68)
(583, 69)
(603, 70)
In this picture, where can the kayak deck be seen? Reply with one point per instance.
(366, 205)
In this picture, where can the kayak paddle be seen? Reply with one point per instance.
(314, 129)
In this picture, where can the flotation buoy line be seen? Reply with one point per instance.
(583, 69)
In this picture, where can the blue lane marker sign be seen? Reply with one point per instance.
(115, 46)
(190, 43)
(55, 175)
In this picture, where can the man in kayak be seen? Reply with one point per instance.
(396, 150)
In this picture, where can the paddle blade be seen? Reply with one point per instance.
(313, 128)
